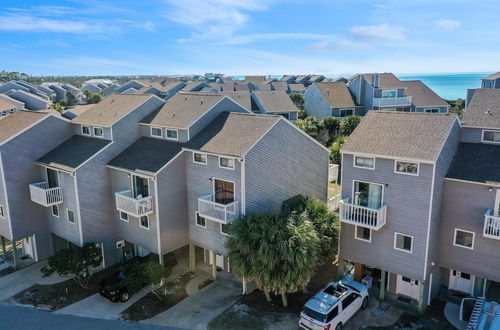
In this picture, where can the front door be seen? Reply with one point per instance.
(219, 261)
(460, 281)
(52, 178)
(367, 194)
(28, 246)
(408, 287)
(141, 187)
(223, 191)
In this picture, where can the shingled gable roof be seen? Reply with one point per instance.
(243, 98)
(232, 134)
(336, 93)
(476, 162)
(275, 101)
(111, 109)
(492, 76)
(418, 136)
(16, 122)
(147, 155)
(483, 109)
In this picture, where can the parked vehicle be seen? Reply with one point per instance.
(334, 305)
(113, 287)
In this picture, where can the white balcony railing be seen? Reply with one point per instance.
(392, 101)
(45, 196)
(333, 172)
(361, 215)
(137, 207)
(491, 225)
(223, 213)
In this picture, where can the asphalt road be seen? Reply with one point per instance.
(16, 317)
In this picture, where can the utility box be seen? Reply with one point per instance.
(367, 280)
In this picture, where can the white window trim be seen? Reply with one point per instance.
(58, 211)
(67, 216)
(140, 224)
(196, 220)
(90, 130)
(488, 130)
(222, 233)
(403, 250)
(123, 219)
(406, 161)
(171, 129)
(228, 168)
(465, 231)
(2, 212)
(95, 135)
(361, 181)
(363, 167)
(201, 163)
(156, 136)
(361, 239)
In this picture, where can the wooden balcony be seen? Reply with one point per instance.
(45, 196)
(361, 215)
(491, 225)
(134, 206)
(223, 213)
(404, 101)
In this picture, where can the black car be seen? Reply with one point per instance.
(113, 287)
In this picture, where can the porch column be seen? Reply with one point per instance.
(4, 249)
(192, 257)
(214, 265)
(357, 271)
(340, 269)
(383, 274)
(14, 253)
(244, 282)
(478, 287)
(421, 302)
(160, 258)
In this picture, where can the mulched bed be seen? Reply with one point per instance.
(159, 300)
(56, 296)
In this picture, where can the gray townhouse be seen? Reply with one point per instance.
(491, 81)
(7, 107)
(130, 87)
(326, 99)
(384, 91)
(18, 104)
(275, 103)
(302, 79)
(30, 100)
(470, 222)
(59, 91)
(393, 171)
(93, 88)
(288, 79)
(296, 88)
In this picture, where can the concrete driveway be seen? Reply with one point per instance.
(196, 311)
(22, 279)
(97, 307)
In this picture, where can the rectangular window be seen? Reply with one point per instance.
(70, 215)
(144, 222)
(364, 162)
(98, 132)
(403, 242)
(432, 110)
(201, 221)
(226, 163)
(224, 229)
(2, 214)
(346, 112)
(172, 134)
(200, 158)
(348, 300)
(55, 210)
(86, 130)
(363, 234)
(389, 93)
(123, 216)
(156, 132)
(491, 136)
(406, 167)
(464, 239)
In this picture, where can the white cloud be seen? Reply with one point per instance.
(38, 24)
(251, 38)
(448, 24)
(320, 46)
(382, 32)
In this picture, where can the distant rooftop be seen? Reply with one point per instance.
(476, 162)
(483, 109)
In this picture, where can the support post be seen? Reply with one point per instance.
(244, 282)
(14, 253)
(478, 287)
(214, 265)
(4, 249)
(383, 274)
(357, 271)
(192, 257)
(160, 259)
(340, 269)
(421, 302)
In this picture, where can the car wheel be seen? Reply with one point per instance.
(365, 303)
(124, 296)
(339, 326)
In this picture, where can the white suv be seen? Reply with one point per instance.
(334, 305)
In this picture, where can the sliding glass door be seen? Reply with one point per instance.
(52, 178)
(141, 187)
(224, 191)
(367, 194)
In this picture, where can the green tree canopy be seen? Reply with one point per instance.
(348, 125)
(57, 107)
(335, 156)
(298, 100)
(309, 125)
(94, 98)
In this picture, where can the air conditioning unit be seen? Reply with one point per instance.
(120, 244)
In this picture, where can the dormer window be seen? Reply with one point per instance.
(156, 132)
(491, 136)
(98, 132)
(86, 130)
(389, 93)
(172, 134)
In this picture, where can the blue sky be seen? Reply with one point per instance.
(249, 36)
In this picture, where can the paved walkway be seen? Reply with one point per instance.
(195, 312)
(97, 307)
(452, 314)
(22, 279)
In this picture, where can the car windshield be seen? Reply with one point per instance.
(349, 286)
(315, 315)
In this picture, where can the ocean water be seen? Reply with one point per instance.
(449, 86)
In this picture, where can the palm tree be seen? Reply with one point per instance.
(298, 100)
(57, 107)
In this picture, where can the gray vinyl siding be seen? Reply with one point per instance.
(18, 157)
(172, 204)
(30, 102)
(96, 197)
(8, 86)
(407, 198)
(182, 134)
(471, 135)
(465, 204)
(283, 164)
(199, 181)
(225, 105)
(367, 95)
(442, 165)
(315, 103)
(357, 110)
(5, 221)
(60, 225)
